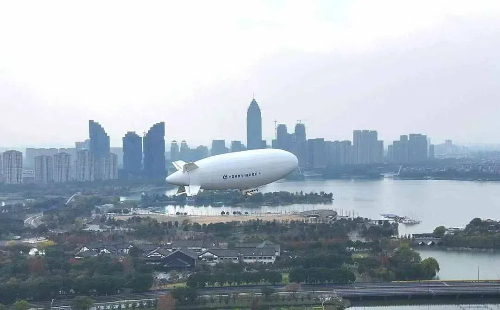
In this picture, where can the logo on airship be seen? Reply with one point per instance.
(224, 176)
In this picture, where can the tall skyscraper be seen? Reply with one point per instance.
(99, 140)
(409, 149)
(184, 152)
(301, 144)
(283, 139)
(367, 148)
(12, 167)
(218, 147)
(174, 151)
(99, 147)
(154, 152)
(316, 153)
(417, 148)
(62, 167)
(44, 169)
(132, 154)
(85, 166)
(254, 126)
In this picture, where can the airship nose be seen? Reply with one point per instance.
(177, 178)
(294, 162)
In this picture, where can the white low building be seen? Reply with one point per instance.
(245, 255)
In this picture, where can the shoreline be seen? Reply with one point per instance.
(212, 219)
(456, 249)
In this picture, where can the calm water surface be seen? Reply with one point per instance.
(448, 203)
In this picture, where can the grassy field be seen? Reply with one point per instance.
(175, 285)
(285, 280)
(360, 255)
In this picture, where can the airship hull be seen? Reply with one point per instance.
(240, 170)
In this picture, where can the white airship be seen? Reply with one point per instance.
(245, 171)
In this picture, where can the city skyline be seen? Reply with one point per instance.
(434, 73)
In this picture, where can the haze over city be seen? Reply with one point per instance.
(393, 66)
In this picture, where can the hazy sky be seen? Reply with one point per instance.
(431, 67)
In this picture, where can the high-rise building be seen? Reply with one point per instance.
(44, 169)
(118, 151)
(62, 167)
(399, 151)
(70, 150)
(99, 147)
(1, 168)
(345, 152)
(132, 154)
(31, 153)
(301, 144)
(237, 146)
(109, 167)
(417, 148)
(199, 153)
(218, 147)
(154, 152)
(99, 140)
(185, 152)
(332, 153)
(174, 151)
(409, 149)
(84, 145)
(316, 153)
(431, 151)
(254, 126)
(12, 167)
(367, 148)
(283, 139)
(85, 169)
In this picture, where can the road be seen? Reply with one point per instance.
(349, 291)
(382, 289)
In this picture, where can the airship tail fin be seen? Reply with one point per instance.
(183, 166)
(181, 190)
(179, 164)
(191, 190)
(189, 167)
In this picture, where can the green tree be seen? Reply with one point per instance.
(430, 267)
(82, 303)
(21, 305)
(439, 231)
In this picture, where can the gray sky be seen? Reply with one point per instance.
(394, 66)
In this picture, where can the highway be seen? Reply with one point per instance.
(356, 291)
